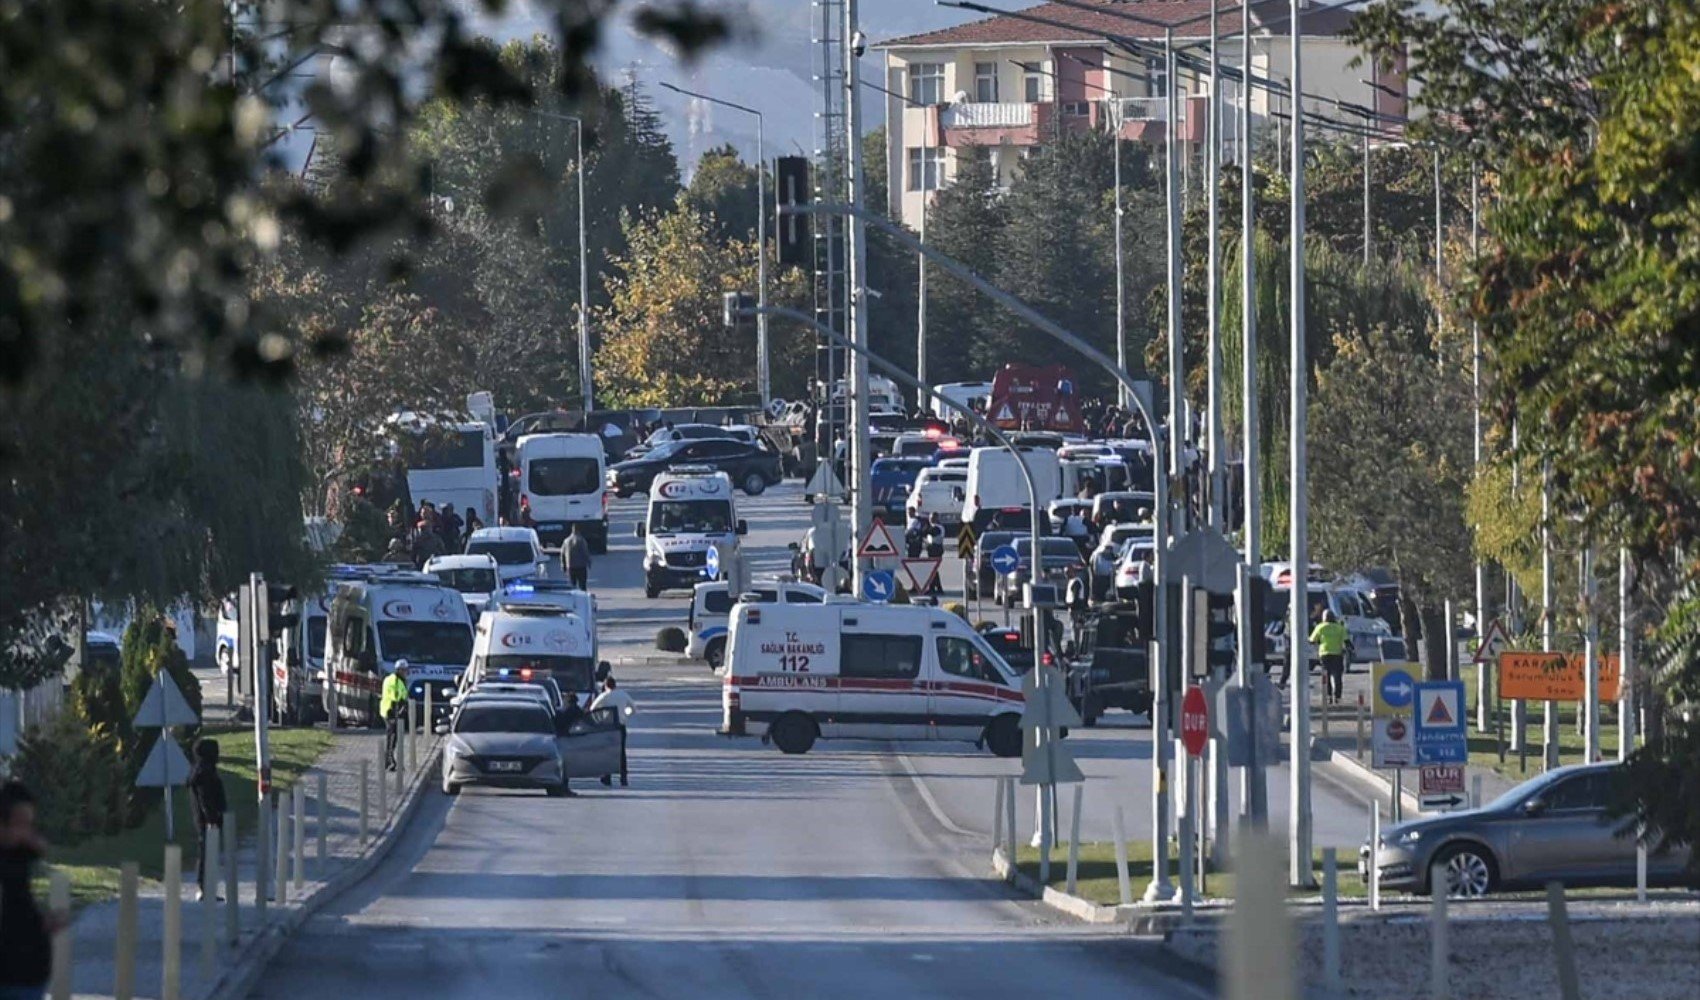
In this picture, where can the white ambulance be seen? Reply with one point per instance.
(844, 669)
(392, 616)
(690, 511)
(543, 637)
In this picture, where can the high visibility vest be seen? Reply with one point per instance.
(394, 693)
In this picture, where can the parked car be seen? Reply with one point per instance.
(751, 468)
(1102, 563)
(1113, 658)
(981, 578)
(1056, 557)
(672, 435)
(1557, 827)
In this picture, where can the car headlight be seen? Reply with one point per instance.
(1408, 838)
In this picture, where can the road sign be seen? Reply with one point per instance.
(165, 706)
(1239, 726)
(965, 542)
(1391, 743)
(711, 563)
(922, 573)
(166, 766)
(1045, 757)
(1195, 720)
(1438, 725)
(879, 586)
(738, 574)
(1494, 641)
(1441, 787)
(1004, 559)
(878, 543)
(1052, 709)
(1394, 684)
(1554, 676)
(824, 483)
(823, 513)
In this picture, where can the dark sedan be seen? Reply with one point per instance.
(751, 468)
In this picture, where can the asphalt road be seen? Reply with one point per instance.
(728, 869)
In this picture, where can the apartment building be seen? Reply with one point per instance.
(1012, 82)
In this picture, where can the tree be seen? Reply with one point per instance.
(965, 221)
(723, 190)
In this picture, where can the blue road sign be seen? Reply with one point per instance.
(1397, 688)
(711, 563)
(1004, 559)
(879, 586)
(1438, 731)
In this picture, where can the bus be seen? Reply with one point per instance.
(450, 463)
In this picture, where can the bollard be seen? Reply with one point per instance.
(320, 809)
(430, 720)
(232, 905)
(298, 807)
(400, 759)
(1563, 948)
(1641, 867)
(1047, 828)
(383, 794)
(1009, 817)
(1360, 725)
(1438, 988)
(1330, 921)
(412, 743)
(997, 817)
(1475, 791)
(209, 903)
(365, 804)
(281, 828)
(1326, 710)
(1124, 888)
(1374, 848)
(1186, 817)
(124, 962)
(1259, 941)
(171, 972)
(1074, 840)
(59, 901)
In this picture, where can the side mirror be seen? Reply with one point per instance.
(542, 568)
(637, 529)
(1534, 807)
(743, 529)
(441, 729)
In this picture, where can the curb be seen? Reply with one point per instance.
(240, 978)
(1349, 768)
(1141, 919)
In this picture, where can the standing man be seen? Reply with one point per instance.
(575, 559)
(208, 792)
(391, 703)
(26, 934)
(1330, 639)
(624, 708)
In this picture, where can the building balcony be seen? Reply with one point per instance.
(993, 124)
(977, 115)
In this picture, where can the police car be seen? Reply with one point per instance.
(691, 510)
(844, 669)
(711, 604)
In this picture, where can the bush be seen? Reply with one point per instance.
(79, 777)
(670, 639)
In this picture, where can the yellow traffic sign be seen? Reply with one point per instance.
(1394, 686)
(965, 542)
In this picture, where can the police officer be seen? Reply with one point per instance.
(392, 702)
(1330, 639)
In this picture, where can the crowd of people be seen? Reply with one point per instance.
(416, 537)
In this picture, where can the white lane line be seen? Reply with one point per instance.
(927, 797)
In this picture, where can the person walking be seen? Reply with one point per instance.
(575, 559)
(392, 702)
(624, 708)
(26, 933)
(208, 793)
(1330, 639)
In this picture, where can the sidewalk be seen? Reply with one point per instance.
(95, 933)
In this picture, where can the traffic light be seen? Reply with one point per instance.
(273, 621)
(1220, 628)
(793, 236)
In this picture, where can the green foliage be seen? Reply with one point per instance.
(79, 775)
(365, 532)
(97, 699)
(723, 189)
(965, 223)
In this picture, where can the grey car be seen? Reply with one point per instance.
(1552, 828)
(504, 743)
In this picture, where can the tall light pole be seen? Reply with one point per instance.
(1213, 311)
(764, 369)
(584, 383)
(1254, 789)
(1298, 817)
(856, 254)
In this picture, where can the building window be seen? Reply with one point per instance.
(1032, 87)
(926, 83)
(1076, 109)
(986, 82)
(926, 168)
(1157, 77)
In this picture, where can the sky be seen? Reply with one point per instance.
(768, 68)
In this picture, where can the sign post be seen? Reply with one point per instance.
(165, 767)
(1441, 787)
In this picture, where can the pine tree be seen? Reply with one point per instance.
(965, 222)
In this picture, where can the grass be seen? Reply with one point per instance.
(1572, 745)
(93, 865)
(1097, 876)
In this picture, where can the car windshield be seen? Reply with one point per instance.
(426, 642)
(991, 541)
(506, 553)
(571, 673)
(316, 637)
(669, 516)
(468, 580)
(476, 718)
(555, 477)
(1051, 548)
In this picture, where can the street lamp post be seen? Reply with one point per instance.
(1299, 817)
(764, 367)
(584, 382)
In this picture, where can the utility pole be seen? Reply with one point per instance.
(1171, 177)
(583, 282)
(860, 459)
(1254, 790)
(1484, 687)
(921, 398)
(1213, 311)
(1549, 715)
(1627, 723)
(1121, 281)
(1298, 817)
(1590, 656)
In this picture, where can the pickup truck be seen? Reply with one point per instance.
(1112, 656)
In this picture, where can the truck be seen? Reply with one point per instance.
(1029, 397)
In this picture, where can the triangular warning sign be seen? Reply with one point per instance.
(1005, 412)
(1437, 713)
(165, 706)
(1494, 641)
(877, 543)
(922, 574)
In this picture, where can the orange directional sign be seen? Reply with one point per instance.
(1554, 676)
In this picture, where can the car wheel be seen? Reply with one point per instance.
(715, 654)
(450, 788)
(755, 484)
(1469, 870)
(599, 542)
(1003, 736)
(793, 733)
(556, 791)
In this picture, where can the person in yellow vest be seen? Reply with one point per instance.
(392, 701)
(1330, 639)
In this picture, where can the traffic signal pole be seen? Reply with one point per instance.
(861, 458)
(1298, 813)
(256, 610)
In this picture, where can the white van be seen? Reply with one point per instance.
(388, 617)
(562, 475)
(298, 666)
(995, 482)
(940, 491)
(1364, 628)
(519, 635)
(844, 669)
(711, 606)
(690, 510)
(555, 593)
(963, 394)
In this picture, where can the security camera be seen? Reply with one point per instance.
(859, 44)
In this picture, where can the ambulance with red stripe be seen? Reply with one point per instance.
(386, 617)
(851, 670)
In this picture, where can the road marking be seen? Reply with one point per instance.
(927, 797)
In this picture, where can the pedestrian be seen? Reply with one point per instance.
(624, 708)
(208, 792)
(525, 518)
(391, 703)
(915, 533)
(575, 559)
(1330, 639)
(428, 544)
(450, 525)
(26, 933)
(398, 552)
(473, 523)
